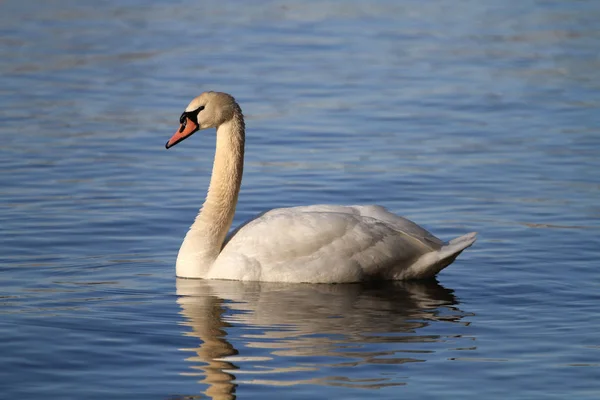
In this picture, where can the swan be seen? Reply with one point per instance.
(308, 244)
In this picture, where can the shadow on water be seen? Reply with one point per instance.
(310, 326)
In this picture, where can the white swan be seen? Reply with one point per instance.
(316, 244)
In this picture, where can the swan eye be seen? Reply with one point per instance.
(192, 115)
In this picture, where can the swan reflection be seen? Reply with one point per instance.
(289, 334)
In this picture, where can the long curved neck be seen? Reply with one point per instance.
(205, 238)
(217, 212)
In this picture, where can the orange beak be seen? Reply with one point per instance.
(185, 130)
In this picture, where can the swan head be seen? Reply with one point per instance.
(209, 110)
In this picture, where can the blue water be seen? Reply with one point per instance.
(463, 116)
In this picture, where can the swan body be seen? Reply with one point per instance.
(312, 244)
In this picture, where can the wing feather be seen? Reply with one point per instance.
(314, 243)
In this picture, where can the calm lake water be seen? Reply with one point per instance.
(463, 116)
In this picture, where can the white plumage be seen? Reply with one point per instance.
(316, 244)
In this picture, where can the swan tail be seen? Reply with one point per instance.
(430, 264)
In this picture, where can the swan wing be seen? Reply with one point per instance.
(323, 243)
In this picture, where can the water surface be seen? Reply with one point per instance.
(463, 116)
